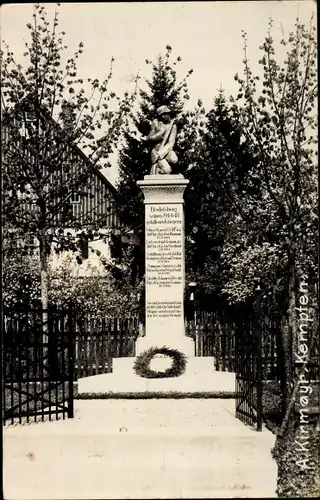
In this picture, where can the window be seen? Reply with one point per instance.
(84, 249)
(28, 244)
(75, 198)
(28, 120)
(26, 194)
(29, 117)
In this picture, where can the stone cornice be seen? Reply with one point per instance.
(163, 188)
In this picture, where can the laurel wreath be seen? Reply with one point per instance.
(142, 363)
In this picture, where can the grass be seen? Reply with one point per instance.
(157, 395)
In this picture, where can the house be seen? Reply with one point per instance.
(78, 197)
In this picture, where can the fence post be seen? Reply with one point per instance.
(109, 346)
(258, 356)
(70, 364)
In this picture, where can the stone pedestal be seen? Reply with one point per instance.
(165, 264)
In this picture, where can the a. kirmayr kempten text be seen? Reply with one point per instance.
(304, 321)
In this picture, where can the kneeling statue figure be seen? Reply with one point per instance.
(163, 135)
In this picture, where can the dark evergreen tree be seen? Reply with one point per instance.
(218, 177)
(163, 88)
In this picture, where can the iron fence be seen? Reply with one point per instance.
(99, 339)
(37, 364)
(213, 336)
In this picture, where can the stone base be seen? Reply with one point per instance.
(123, 367)
(183, 344)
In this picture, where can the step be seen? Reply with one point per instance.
(49, 466)
(97, 479)
(194, 364)
(78, 436)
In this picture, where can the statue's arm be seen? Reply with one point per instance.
(170, 144)
(155, 136)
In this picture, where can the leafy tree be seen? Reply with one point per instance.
(46, 113)
(278, 118)
(98, 293)
(20, 278)
(163, 88)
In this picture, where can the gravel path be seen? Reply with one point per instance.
(146, 413)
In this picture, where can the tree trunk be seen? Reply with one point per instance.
(44, 285)
(289, 332)
(50, 361)
(281, 363)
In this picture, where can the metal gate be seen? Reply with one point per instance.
(38, 364)
(249, 367)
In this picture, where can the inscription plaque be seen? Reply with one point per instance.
(164, 260)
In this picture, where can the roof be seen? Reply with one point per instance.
(47, 115)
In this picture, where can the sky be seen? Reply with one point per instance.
(206, 35)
